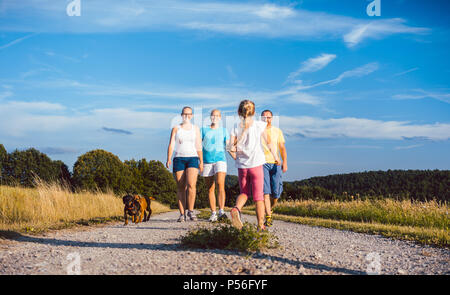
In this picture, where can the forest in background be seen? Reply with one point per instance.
(100, 170)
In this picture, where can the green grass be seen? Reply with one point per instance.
(425, 223)
(405, 213)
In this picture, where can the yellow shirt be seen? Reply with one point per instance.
(277, 138)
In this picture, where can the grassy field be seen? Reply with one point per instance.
(423, 222)
(51, 206)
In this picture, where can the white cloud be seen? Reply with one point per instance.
(357, 72)
(22, 118)
(241, 18)
(348, 127)
(379, 29)
(421, 94)
(407, 147)
(6, 94)
(313, 65)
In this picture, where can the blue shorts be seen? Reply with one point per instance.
(182, 163)
(273, 185)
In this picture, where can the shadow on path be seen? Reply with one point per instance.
(177, 247)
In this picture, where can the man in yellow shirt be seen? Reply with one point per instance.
(273, 185)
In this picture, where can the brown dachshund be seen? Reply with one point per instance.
(145, 208)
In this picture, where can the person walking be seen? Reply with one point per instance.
(273, 185)
(246, 148)
(185, 139)
(215, 140)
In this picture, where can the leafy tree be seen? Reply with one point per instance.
(99, 169)
(3, 160)
(22, 167)
(153, 179)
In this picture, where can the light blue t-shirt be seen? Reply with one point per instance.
(214, 142)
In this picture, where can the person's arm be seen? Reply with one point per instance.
(269, 143)
(283, 156)
(231, 147)
(171, 147)
(198, 146)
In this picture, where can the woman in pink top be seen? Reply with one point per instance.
(247, 150)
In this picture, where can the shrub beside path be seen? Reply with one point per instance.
(154, 248)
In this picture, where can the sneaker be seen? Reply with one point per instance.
(213, 217)
(268, 221)
(182, 218)
(236, 218)
(191, 215)
(222, 216)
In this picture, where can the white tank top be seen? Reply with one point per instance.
(185, 142)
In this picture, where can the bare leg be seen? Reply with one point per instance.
(180, 177)
(268, 205)
(274, 202)
(260, 213)
(241, 200)
(191, 181)
(220, 177)
(210, 185)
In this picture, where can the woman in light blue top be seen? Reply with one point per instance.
(215, 140)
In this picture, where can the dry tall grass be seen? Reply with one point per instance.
(54, 206)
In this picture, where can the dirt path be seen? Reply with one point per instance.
(153, 248)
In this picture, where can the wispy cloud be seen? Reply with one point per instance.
(58, 150)
(348, 127)
(378, 30)
(236, 18)
(421, 94)
(114, 130)
(16, 41)
(355, 146)
(406, 72)
(313, 65)
(354, 73)
(407, 147)
(6, 94)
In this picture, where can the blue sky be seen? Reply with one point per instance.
(351, 92)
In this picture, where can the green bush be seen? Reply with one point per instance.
(225, 236)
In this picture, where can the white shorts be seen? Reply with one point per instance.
(210, 169)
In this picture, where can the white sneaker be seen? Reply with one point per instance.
(213, 217)
(182, 218)
(191, 215)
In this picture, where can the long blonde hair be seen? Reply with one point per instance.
(246, 110)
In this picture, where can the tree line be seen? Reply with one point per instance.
(103, 171)
(421, 185)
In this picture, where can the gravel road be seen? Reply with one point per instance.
(153, 248)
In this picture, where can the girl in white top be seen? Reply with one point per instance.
(188, 160)
(247, 150)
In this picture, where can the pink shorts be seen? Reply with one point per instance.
(251, 182)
